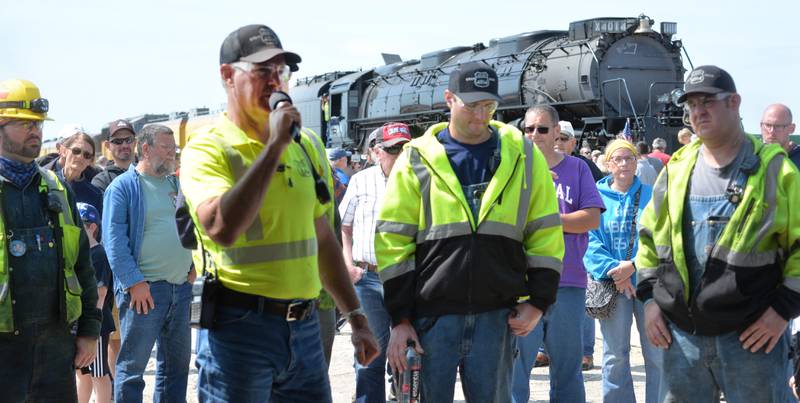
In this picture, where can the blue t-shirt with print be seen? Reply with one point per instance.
(471, 164)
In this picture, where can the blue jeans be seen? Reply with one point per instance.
(479, 346)
(564, 323)
(616, 330)
(168, 325)
(588, 335)
(697, 368)
(260, 357)
(370, 380)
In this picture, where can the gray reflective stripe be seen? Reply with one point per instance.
(645, 232)
(500, 229)
(792, 283)
(525, 192)
(269, 253)
(444, 231)
(424, 178)
(73, 285)
(256, 230)
(397, 270)
(664, 252)
(54, 188)
(547, 221)
(547, 262)
(645, 273)
(744, 259)
(660, 191)
(396, 228)
(770, 191)
(317, 144)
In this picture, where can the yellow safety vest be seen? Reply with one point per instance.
(70, 237)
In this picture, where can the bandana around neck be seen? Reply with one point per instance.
(18, 173)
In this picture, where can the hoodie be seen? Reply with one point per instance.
(608, 244)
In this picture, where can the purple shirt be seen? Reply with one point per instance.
(576, 190)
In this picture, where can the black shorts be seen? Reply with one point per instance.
(99, 367)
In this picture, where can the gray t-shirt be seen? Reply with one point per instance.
(710, 181)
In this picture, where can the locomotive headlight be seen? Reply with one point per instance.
(669, 28)
(675, 94)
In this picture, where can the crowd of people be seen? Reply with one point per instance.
(487, 245)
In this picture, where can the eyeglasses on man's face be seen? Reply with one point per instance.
(266, 71)
(706, 102)
(26, 124)
(773, 127)
(537, 129)
(482, 107)
(121, 141)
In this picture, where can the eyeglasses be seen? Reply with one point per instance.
(266, 71)
(623, 160)
(477, 107)
(705, 102)
(562, 138)
(537, 129)
(78, 151)
(118, 141)
(772, 127)
(28, 125)
(393, 150)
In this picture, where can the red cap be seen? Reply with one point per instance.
(393, 133)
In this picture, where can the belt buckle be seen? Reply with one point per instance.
(300, 308)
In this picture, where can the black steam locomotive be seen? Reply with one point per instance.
(601, 74)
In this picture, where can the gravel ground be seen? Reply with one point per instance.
(343, 378)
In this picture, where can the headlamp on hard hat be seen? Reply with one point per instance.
(38, 105)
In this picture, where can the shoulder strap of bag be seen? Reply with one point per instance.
(633, 223)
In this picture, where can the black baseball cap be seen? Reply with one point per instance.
(473, 82)
(707, 80)
(255, 44)
(119, 124)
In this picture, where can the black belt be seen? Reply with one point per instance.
(366, 266)
(290, 310)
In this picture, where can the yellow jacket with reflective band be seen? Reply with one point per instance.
(50, 184)
(755, 263)
(276, 256)
(435, 258)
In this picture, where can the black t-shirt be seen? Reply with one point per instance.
(471, 164)
(102, 272)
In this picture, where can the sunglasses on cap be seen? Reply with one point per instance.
(118, 142)
(537, 129)
(78, 151)
(38, 105)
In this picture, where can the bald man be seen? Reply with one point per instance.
(776, 126)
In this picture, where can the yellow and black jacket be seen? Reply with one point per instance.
(435, 258)
(755, 263)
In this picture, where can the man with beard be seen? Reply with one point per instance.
(46, 276)
(121, 139)
(152, 275)
(254, 186)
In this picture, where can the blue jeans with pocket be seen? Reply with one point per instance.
(698, 368)
(370, 379)
(561, 329)
(260, 357)
(167, 326)
(479, 346)
(617, 377)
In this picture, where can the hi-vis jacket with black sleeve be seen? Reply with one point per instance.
(755, 263)
(434, 258)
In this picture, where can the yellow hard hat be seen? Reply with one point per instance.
(20, 99)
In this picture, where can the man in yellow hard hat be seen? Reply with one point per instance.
(46, 277)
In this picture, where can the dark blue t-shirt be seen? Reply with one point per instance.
(102, 273)
(471, 164)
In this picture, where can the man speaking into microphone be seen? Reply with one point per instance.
(253, 194)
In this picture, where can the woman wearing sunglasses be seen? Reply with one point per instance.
(75, 166)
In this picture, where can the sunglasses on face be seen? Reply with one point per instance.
(28, 125)
(537, 129)
(393, 150)
(78, 151)
(118, 142)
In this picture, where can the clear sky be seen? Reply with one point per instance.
(100, 60)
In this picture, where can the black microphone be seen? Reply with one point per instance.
(275, 101)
